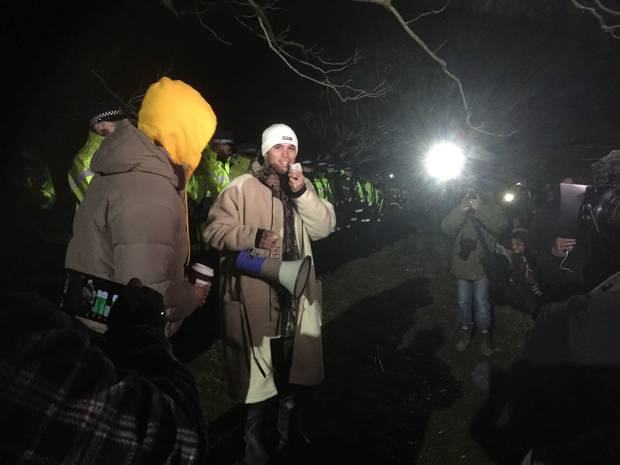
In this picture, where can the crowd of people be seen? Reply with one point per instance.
(358, 197)
(156, 192)
(507, 254)
(530, 257)
(147, 190)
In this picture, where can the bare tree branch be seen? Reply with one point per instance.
(131, 104)
(444, 65)
(328, 66)
(344, 91)
(429, 13)
(209, 28)
(349, 134)
(116, 95)
(610, 29)
(198, 12)
(440, 46)
(307, 62)
(606, 9)
(169, 4)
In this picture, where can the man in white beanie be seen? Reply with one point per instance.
(272, 342)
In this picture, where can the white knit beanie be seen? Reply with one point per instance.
(278, 134)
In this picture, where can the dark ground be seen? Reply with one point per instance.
(396, 390)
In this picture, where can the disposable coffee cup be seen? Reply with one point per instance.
(296, 167)
(201, 275)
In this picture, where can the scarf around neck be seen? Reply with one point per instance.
(280, 190)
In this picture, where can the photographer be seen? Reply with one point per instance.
(474, 219)
(560, 259)
(62, 400)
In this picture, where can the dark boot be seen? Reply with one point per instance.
(261, 432)
(294, 446)
(486, 346)
(464, 339)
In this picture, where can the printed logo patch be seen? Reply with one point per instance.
(287, 138)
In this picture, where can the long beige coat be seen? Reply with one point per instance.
(132, 221)
(243, 208)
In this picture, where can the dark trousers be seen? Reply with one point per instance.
(272, 426)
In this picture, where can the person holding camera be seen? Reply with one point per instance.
(561, 259)
(474, 221)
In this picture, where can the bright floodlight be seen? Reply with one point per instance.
(509, 197)
(445, 161)
(391, 175)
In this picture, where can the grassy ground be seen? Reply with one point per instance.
(396, 390)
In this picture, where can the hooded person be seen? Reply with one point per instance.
(272, 342)
(133, 221)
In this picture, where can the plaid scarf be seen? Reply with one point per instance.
(62, 402)
(280, 190)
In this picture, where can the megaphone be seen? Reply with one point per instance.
(293, 275)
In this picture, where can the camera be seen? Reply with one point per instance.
(90, 298)
(466, 247)
(593, 211)
(596, 206)
(470, 195)
(601, 207)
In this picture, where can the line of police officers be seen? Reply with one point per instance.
(358, 199)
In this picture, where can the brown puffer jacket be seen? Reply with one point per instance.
(132, 221)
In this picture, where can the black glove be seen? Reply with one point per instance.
(137, 306)
(135, 337)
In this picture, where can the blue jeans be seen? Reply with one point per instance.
(473, 303)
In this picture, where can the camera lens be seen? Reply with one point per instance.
(607, 213)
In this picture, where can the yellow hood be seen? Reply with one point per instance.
(179, 118)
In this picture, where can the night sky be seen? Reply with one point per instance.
(542, 69)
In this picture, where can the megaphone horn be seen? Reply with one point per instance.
(293, 274)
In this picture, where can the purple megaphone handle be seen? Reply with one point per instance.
(248, 263)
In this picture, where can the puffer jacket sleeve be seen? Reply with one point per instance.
(317, 214)
(147, 249)
(225, 229)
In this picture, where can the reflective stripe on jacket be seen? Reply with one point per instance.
(80, 174)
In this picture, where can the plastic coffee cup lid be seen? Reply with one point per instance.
(203, 269)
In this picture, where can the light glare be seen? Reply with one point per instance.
(509, 197)
(445, 161)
